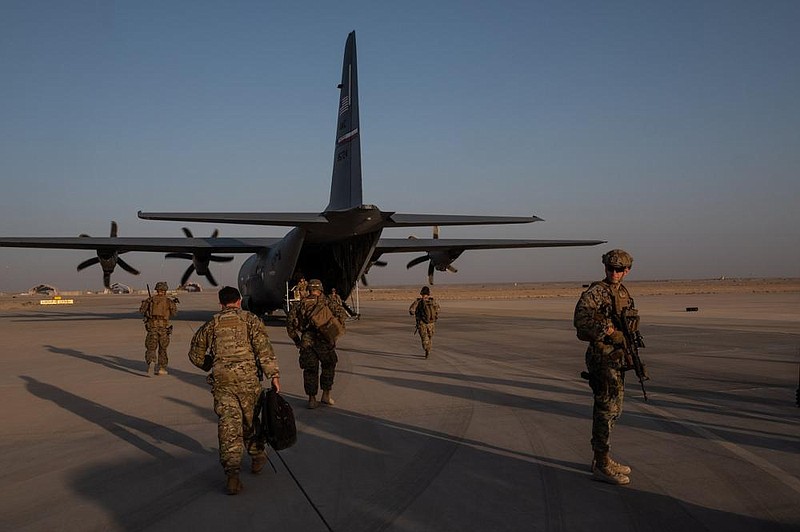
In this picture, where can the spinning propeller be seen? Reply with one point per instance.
(108, 260)
(200, 260)
(440, 259)
(372, 262)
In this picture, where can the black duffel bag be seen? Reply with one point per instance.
(274, 420)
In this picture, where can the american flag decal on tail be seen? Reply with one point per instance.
(344, 105)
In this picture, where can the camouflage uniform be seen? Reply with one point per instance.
(425, 327)
(315, 349)
(228, 344)
(337, 299)
(301, 289)
(157, 311)
(602, 304)
(604, 361)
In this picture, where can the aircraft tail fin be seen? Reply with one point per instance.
(346, 180)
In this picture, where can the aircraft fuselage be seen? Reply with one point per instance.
(320, 253)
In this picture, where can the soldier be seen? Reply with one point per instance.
(309, 325)
(426, 312)
(235, 345)
(157, 311)
(597, 307)
(337, 299)
(301, 289)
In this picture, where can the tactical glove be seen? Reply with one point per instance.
(615, 338)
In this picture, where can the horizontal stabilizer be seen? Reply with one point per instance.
(403, 245)
(422, 220)
(287, 219)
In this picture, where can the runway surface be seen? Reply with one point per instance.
(491, 433)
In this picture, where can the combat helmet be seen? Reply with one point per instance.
(618, 258)
(315, 284)
(425, 291)
(161, 285)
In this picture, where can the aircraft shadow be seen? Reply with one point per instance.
(525, 384)
(372, 352)
(731, 397)
(398, 476)
(749, 359)
(582, 410)
(486, 395)
(506, 474)
(404, 474)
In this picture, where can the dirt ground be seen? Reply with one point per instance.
(499, 291)
(573, 290)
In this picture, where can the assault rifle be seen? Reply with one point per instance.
(797, 393)
(628, 323)
(146, 312)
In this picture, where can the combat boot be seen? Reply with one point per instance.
(616, 466)
(312, 402)
(620, 468)
(602, 470)
(162, 371)
(233, 484)
(326, 398)
(151, 368)
(427, 353)
(258, 462)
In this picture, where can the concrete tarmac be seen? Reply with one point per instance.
(491, 433)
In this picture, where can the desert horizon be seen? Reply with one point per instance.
(479, 291)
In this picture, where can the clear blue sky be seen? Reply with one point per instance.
(670, 129)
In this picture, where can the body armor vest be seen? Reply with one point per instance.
(159, 308)
(231, 342)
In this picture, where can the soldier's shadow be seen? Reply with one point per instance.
(117, 363)
(123, 426)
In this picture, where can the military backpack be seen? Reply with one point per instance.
(426, 311)
(326, 322)
(160, 308)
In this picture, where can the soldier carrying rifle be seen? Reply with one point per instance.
(606, 317)
(157, 310)
(425, 311)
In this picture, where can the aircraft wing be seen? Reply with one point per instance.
(287, 219)
(421, 220)
(403, 245)
(121, 244)
(306, 219)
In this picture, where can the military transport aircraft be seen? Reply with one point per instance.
(337, 245)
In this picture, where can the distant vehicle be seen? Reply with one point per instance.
(192, 287)
(43, 290)
(119, 288)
